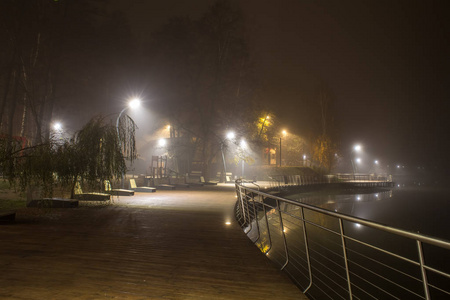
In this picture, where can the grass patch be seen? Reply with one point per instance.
(6, 204)
(10, 199)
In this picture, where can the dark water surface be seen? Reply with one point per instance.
(413, 208)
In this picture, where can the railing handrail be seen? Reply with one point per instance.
(253, 215)
(408, 234)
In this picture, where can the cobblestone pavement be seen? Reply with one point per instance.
(163, 245)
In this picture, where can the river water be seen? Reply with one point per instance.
(413, 208)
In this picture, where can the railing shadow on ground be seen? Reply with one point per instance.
(335, 256)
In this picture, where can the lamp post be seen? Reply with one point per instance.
(356, 148)
(132, 104)
(243, 145)
(284, 134)
(230, 135)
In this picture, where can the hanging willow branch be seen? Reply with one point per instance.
(95, 153)
(126, 131)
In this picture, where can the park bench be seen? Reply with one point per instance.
(116, 192)
(141, 189)
(211, 182)
(194, 178)
(79, 195)
(228, 177)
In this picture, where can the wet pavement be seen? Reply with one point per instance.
(163, 245)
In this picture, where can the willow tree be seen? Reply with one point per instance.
(96, 153)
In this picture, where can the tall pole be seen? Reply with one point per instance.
(280, 151)
(120, 143)
(224, 164)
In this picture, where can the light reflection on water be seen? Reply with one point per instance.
(417, 209)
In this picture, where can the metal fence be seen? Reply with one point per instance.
(334, 256)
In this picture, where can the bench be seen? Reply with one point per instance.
(116, 192)
(79, 195)
(141, 189)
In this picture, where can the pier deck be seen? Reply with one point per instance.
(164, 245)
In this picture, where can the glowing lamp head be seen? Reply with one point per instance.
(162, 142)
(135, 103)
(231, 135)
(284, 132)
(358, 160)
(376, 162)
(357, 148)
(57, 126)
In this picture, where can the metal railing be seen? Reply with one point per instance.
(335, 256)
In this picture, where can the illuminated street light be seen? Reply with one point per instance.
(376, 162)
(358, 160)
(231, 135)
(134, 103)
(162, 142)
(57, 126)
(284, 133)
(356, 149)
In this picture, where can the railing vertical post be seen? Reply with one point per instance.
(256, 218)
(423, 271)
(344, 250)
(284, 235)
(305, 236)
(267, 225)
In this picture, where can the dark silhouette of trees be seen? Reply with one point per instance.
(326, 145)
(60, 55)
(200, 72)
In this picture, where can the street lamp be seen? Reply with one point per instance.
(244, 146)
(284, 133)
(229, 136)
(57, 126)
(136, 102)
(357, 148)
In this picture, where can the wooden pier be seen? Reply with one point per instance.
(165, 245)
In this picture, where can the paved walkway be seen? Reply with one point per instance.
(163, 245)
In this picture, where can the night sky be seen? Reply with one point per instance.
(387, 63)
